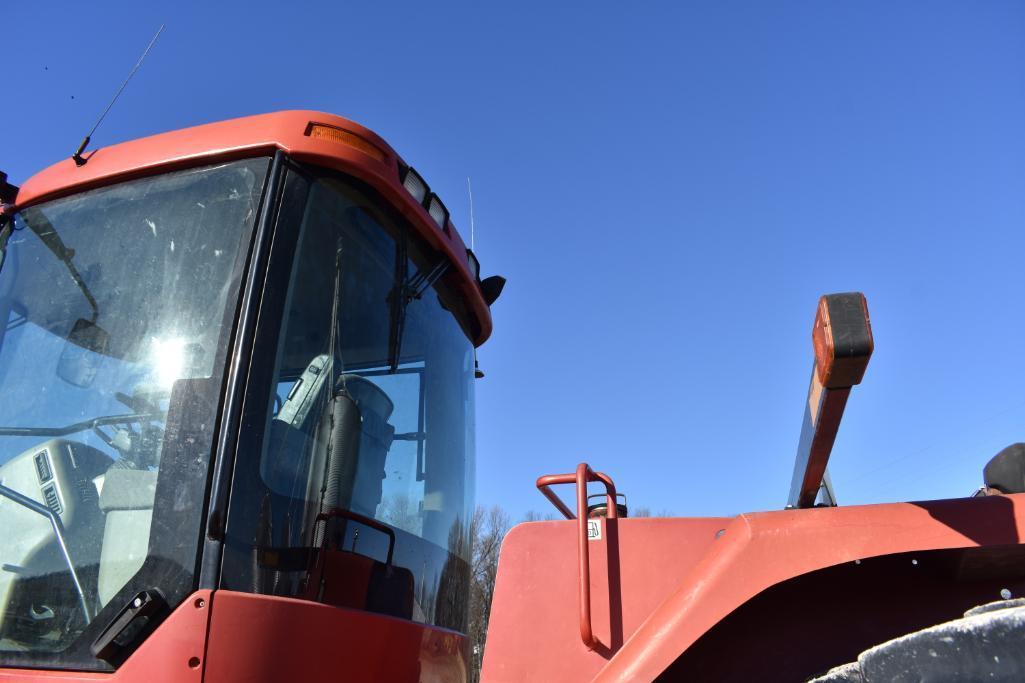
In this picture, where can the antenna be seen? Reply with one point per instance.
(469, 191)
(77, 156)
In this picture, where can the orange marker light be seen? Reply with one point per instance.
(842, 337)
(319, 130)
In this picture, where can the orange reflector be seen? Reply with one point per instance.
(319, 130)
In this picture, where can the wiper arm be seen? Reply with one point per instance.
(48, 236)
(58, 530)
(80, 426)
(416, 287)
(404, 293)
(336, 360)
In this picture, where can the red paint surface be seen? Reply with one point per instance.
(166, 656)
(252, 136)
(672, 580)
(257, 638)
(534, 631)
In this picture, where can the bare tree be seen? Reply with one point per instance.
(646, 512)
(400, 511)
(488, 527)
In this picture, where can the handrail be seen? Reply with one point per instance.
(583, 475)
(315, 580)
(334, 513)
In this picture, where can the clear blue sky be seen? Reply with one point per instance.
(668, 190)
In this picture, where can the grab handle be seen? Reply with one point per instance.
(584, 474)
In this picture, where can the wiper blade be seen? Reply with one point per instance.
(48, 236)
(421, 282)
(404, 293)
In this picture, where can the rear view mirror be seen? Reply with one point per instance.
(491, 288)
(82, 354)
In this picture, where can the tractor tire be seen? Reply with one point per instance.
(987, 644)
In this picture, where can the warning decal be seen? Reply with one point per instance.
(594, 529)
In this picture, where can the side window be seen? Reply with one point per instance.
(366, 457)
(343, 276)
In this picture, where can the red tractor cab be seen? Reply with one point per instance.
(236, 411)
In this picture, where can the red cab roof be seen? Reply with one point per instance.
(311, 136)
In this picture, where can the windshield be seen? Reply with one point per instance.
(360, 482)
(115, 307)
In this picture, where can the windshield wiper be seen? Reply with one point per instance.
(130, 418)
(402, 295)
(48, 236)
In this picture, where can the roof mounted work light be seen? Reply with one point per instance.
(473, 263)
(415, 185)
(438, 211)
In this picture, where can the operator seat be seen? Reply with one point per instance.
(127, 499)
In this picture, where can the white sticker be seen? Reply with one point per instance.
(594, 529)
